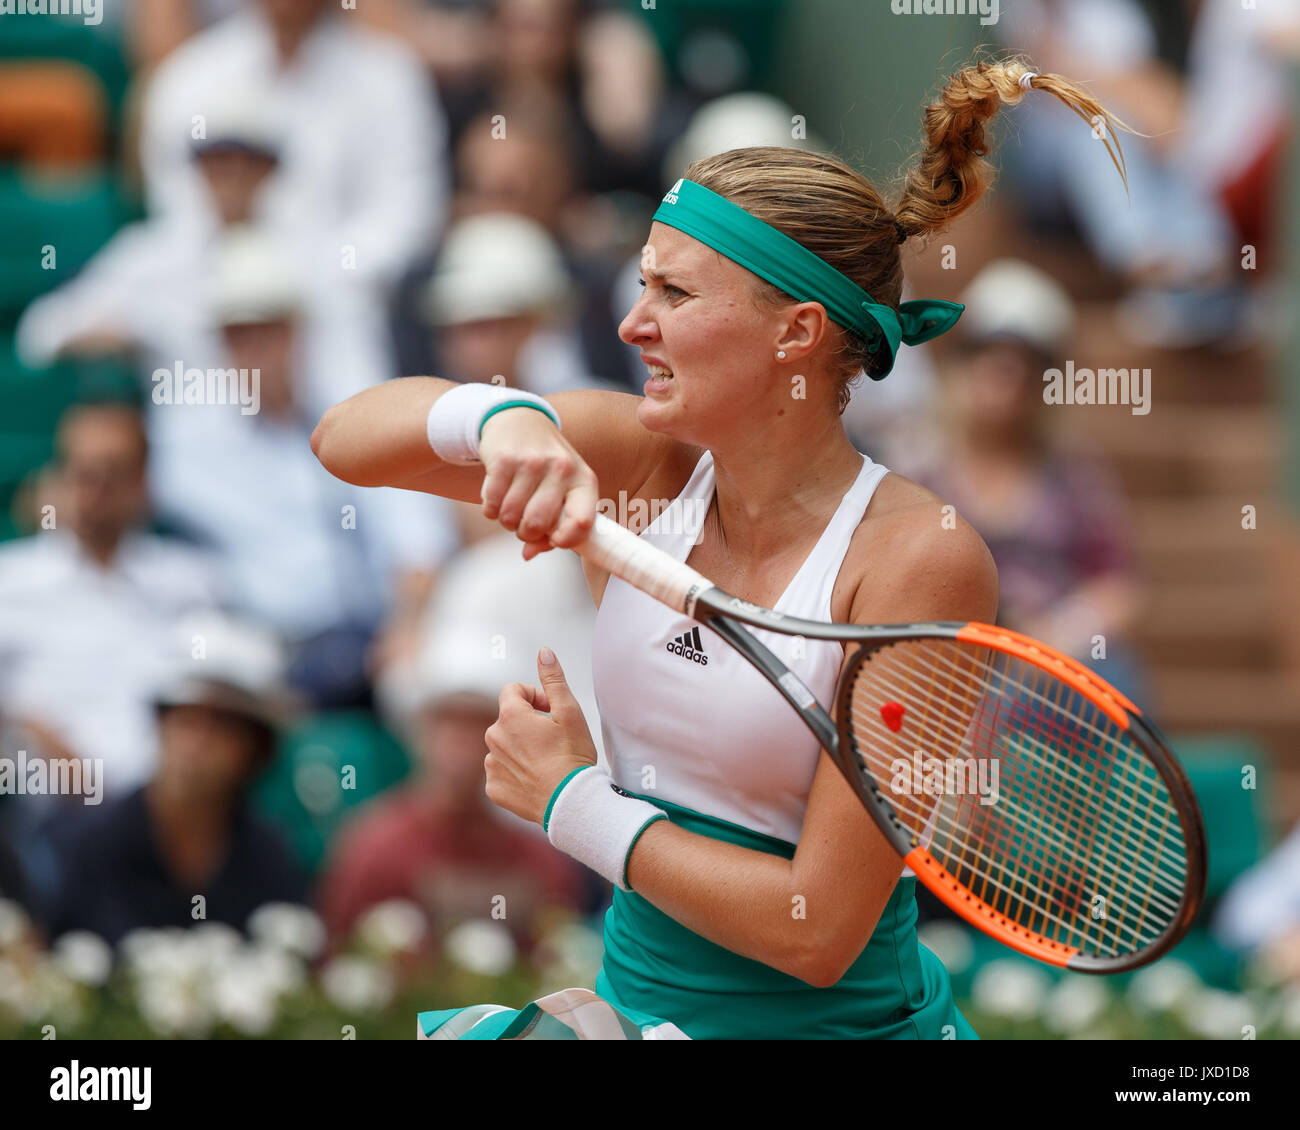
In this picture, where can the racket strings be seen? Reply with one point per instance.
(1045, 802)
(957, 739)
(1057, 732)
(1082, 843)
(951, 733)
(995, 872)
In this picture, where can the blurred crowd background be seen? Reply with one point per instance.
(276, 685)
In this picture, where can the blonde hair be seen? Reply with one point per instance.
(836, 213)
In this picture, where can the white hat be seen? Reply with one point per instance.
(735, 121)
(1011, 299)
(496, 265)
(492, 612)
(252, 280)
(215, 660)
(244, 117)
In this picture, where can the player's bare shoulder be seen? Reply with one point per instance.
(913, 557)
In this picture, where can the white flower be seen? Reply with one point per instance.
(950, 943)
(1160, 987)
(1010, 988)
(288, 927)
(147, 952)
(13, 923)
(54, 994)
(1075, 1003)
(1290, 1012)
(175, 1005)
(279, 971)
(216, 944)
(573, 953)
(1217, 1015)
(481, 946)
(15, 991)
(395, 926)
(356, 984)
(83, 956)
(245, 997)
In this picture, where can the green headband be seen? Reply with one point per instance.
(772, 255)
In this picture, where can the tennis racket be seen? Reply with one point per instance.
(1088, 851)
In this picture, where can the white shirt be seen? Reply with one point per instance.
(82, 646)
(1106, 36)
(293, 557)
(150, 284)
(1238, 90)
(363, 163)
(1263, 903)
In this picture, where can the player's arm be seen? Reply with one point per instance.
(534, 478)
(812, 916)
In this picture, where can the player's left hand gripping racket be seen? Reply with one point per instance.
(1089, 852)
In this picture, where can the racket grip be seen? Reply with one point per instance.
(642, 565)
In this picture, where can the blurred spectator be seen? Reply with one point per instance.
(521, 158)
(438, 841)
(1260, 913)
(502, 304)
(597, 69)
(1168, 238)
(142, 860)
(146, 292)
(363, 169)
(155, 28)
(1054, 523)
(449, 36)
(318, 560)
(1237, 109)
(86, 604)
(143, 292)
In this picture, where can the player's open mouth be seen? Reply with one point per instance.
(659, 378)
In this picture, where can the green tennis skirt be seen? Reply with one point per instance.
(660, 980)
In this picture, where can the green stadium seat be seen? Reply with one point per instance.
(303, 792)
(75, 217)
(94, 47)
(1236, 824)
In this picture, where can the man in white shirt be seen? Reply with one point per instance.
(322, 562)
(363, 170)
(145, 292)
(87, 603)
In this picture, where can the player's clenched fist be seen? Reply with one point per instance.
(535, 483)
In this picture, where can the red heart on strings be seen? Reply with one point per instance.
(892, 713)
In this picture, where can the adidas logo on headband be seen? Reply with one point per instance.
(670, 197)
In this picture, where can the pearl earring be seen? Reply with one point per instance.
(780, 354)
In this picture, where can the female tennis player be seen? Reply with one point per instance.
(754, 896)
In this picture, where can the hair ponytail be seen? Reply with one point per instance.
(836, 213)
(952, 173)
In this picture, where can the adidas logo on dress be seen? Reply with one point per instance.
(688, 646)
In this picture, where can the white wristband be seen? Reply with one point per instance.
(596, 825)
(458, 415)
